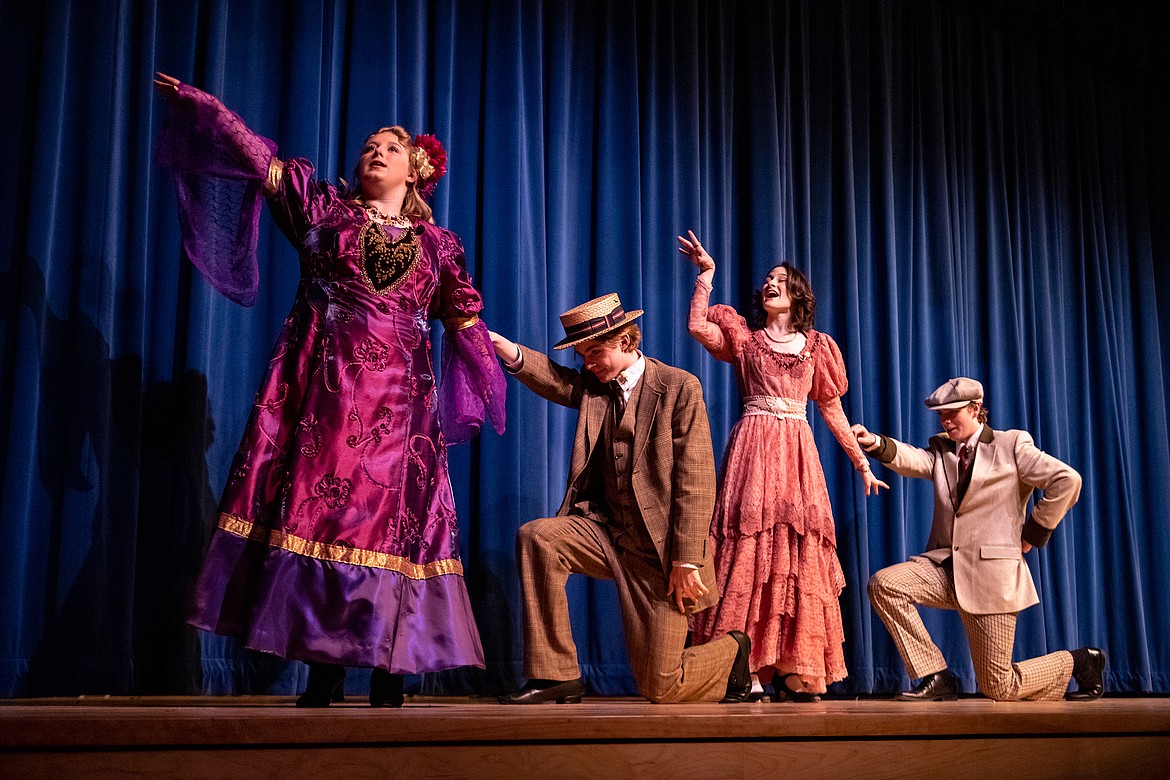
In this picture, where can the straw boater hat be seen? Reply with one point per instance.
(594, 318)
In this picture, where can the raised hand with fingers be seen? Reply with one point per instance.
(693, 249)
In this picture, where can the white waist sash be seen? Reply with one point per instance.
(784, 408)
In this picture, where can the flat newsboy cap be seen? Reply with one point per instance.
(955, 394)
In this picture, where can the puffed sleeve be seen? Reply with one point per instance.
(296, 200)
(472, 385)
(828, 385)
(220, 168)
(720, 328)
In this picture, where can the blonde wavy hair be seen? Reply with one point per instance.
(413, 205)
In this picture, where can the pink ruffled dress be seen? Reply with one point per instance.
(774, 543)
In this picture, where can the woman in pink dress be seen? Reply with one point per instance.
(774, 542)
(337, 539)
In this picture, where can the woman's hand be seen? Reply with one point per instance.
(695, 251)
(167, 86)
(872, 483)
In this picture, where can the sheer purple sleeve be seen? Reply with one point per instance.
(220, 167)
(473, 385)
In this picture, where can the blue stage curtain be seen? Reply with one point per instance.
(971, 189)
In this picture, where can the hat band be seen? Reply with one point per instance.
(596, 325)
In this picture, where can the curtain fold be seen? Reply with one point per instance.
(971, 189)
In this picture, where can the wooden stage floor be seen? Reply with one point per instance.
(259, 737)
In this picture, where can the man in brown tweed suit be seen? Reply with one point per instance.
(974, 560)
(637, 510)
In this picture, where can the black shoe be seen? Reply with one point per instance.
(1091, 680)
(785, 691)
(326, 683)
(538, 691)
(385, 689)
(739, 681)
(940, 686)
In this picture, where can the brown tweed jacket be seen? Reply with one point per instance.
(673, 468)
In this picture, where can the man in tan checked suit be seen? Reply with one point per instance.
(637, 510)
(974, 559)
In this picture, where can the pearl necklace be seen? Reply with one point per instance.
(396, 220)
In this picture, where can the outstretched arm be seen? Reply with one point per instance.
(220, 168)
(549, 380)
(221, 143)
(901, 457)
(507, 351)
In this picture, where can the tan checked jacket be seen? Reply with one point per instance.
(673, 467)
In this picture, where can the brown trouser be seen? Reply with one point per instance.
(552, 548)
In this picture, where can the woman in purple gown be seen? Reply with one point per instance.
(337, 536)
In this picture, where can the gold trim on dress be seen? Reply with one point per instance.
(275, 176)
(391, 261)
(460, 323)
(234, 524)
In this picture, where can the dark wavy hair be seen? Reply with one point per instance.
(804, 301)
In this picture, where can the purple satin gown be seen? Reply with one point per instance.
(337, 533)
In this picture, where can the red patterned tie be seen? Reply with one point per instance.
(964, 457)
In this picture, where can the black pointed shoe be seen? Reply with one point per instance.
(1091, 680)
(940, 686)
(325, 685)
(739, 681)
(385, 689)
(538, 691)
(785, 692)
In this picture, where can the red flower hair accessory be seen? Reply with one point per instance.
(430, 159)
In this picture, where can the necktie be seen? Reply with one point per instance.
(619, 398)
(964, 457)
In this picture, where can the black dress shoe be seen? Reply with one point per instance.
(739, 681)
(325, 685)
(543, 691)
(940, 686)
(385, 689)
(786, 691)
(1091, 680)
